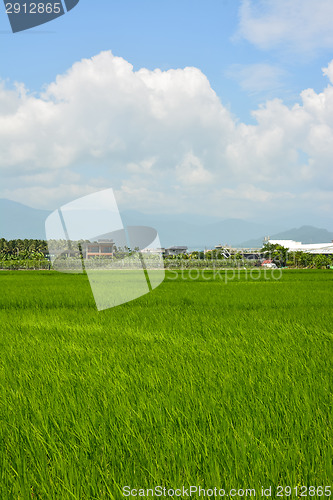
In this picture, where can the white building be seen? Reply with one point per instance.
(297, 246)
(148, 250)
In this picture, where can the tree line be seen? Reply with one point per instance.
(277, 254)
(281, 256)
(33, 253)
(24, 249)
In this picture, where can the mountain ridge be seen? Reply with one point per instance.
(194, 231)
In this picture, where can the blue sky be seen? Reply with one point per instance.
(156, 34)
(254, 54)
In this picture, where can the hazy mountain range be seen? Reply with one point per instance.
(20, 221)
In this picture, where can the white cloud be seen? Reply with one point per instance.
(298, 25)
(48, 196)
(101, 110)
(164, 142)
(329, 71)
(257, 78)
(191, 172)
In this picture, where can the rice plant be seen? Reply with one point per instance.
(213, 379)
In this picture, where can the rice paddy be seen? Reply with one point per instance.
(205, 381)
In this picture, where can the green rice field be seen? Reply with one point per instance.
(212, 380)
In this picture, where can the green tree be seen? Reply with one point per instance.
(277, 253)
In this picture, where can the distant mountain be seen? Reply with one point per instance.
(305, 234)
(20, 221)
(197, 232)
(193, 231)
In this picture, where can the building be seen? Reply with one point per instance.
(224, 250)
(101, 248)
(297, 246)
(174, 251)
(159, 251)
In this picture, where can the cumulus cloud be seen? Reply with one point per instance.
(192, 172)
(329, 71)
(299, 25)
(101, 110)
(164, 141)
